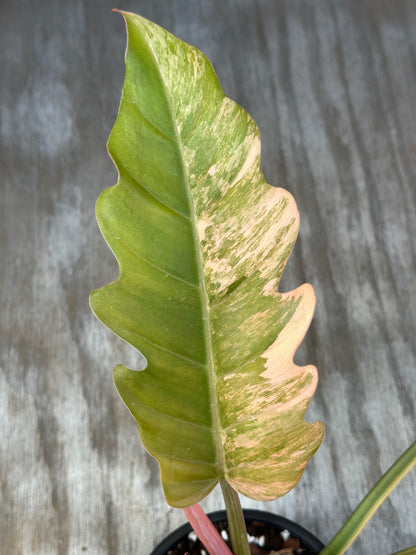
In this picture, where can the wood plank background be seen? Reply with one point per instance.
(332, 86)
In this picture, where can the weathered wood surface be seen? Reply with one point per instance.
(332, 86)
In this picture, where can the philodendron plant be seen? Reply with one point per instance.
(201, 241)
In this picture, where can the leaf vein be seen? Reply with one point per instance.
(151, 123)
(184, 357)
(176, 418)
(196, 461)
(125, 170)
(162, 270)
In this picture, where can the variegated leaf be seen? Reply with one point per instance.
(201, 240)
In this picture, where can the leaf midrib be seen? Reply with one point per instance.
(212, 378)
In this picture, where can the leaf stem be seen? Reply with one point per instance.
(206, 531)
(236, 522)
(371, 502)
(408, 551)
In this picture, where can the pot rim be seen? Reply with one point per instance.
(280, 522)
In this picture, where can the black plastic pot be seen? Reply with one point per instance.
(280, 523)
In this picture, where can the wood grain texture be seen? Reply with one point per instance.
(331, 85)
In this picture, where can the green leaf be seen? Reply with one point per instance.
(201, 240)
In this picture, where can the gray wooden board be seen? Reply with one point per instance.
(332, 86)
